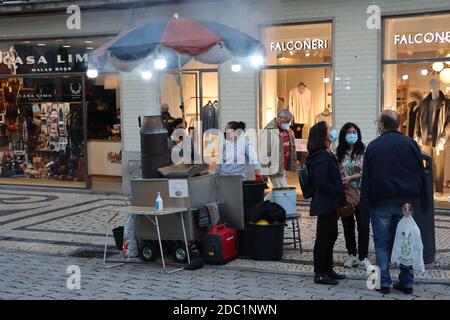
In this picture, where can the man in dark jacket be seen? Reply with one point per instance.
(393, 178)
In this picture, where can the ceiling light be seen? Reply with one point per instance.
(445, 75)
(67, 46)
(438, 66)
(160, 63)
(424, 72)
(405, 77)
(90, 48)
(326, 80)
(257, 60)
(307, 54)
(89, 41)
(236, 67)
(291, 53)
(41, 44)
(92, 73)
(146, 75)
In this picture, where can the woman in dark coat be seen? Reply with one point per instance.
(328, 196)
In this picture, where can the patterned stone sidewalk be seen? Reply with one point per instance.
(41, 276)
(68, 223)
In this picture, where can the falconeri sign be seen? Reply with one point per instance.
(297, 45)
(420, 38)
(48, 62)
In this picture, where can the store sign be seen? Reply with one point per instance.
(314, 44)
(420, 38)
(25, 59)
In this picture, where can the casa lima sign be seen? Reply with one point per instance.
(51, 61)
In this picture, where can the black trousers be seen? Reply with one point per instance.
(326, 235)
(363, 234)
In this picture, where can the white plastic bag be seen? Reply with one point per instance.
(129, 241)
(408, 246)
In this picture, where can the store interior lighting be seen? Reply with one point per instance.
(438, 66)
(444, 76)
(326, 80)
(405, 77)
(424, 72)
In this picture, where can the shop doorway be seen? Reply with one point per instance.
(201, 92)
(104, 143)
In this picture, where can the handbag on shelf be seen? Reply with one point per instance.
(351, 197)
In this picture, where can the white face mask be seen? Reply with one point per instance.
(285, 126)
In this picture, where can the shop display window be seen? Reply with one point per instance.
(297, 75)
(416, 83)
(41, 134)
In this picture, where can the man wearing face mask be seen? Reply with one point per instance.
(393, 179)
(286, 152)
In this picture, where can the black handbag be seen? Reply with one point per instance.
(305, 182)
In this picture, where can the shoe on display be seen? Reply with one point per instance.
(351, 262)
(384, 290)
(336, 276)
(399, 287)
(364, 264)
(325, 279)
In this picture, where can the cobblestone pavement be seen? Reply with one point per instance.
(43, 276)
(68, 224)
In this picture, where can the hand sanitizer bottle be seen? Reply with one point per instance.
(159, 202)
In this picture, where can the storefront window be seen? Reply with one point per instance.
(44, 97)
(41, 130)
(299, 79)
(416, 83)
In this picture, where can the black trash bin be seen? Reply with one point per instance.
(425, 218)
(252, 193)
(118, 237)
(266, 241)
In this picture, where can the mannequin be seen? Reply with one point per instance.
(432, 129)
(300, 105)
(412, 108)
(325, 115)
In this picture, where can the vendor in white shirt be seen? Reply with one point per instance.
(238, 155)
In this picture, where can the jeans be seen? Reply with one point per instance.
(384, 224)
(362, 223)
(326, 235)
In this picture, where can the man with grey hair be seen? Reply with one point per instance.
(393, 179)
(286, 150)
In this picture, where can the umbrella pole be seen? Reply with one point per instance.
(181, 88)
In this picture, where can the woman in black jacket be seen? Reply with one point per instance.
(328, 196)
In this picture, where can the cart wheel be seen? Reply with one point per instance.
(148, 252)
(179, 253)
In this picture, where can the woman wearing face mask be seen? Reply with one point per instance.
(236, 149)
(350, 154)
(328, 196)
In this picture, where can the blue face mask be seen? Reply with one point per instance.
(334, 135)
(351, 138)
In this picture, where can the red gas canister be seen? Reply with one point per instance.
(220, 245)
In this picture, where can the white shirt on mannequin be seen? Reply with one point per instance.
(300, 105)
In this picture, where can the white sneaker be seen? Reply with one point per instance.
(351, 262)
(364, 264)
